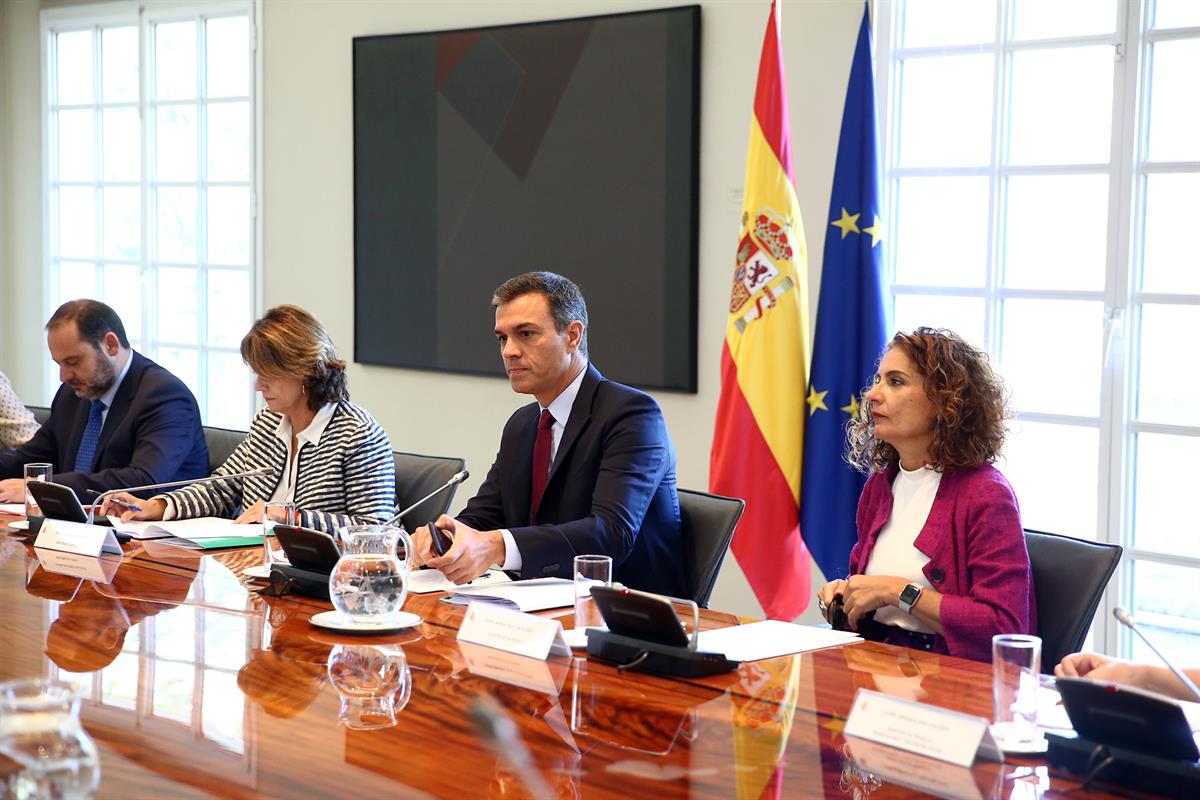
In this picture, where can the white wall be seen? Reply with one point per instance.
(308, 209)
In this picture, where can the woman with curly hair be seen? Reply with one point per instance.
(327, 455)
(940, 562)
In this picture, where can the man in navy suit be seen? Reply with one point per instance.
(587, 469)
(118, 419)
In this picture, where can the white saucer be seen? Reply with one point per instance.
(1032, 747)
(19, 525)
(334, 621)
(261, 571)
(576, 638)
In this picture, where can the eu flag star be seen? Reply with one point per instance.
(816, 400)
(848, 223)
(876, 231)
(851, 409)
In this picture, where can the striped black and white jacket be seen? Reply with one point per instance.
(346, 478)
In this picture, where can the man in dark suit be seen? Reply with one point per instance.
(587, 469)
(118, 419)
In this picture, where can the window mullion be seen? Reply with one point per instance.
(993, 325)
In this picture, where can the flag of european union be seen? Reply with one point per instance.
(850, 325)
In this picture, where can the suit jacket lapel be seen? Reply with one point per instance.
(581, 412)
(522, 467)
(120, 404)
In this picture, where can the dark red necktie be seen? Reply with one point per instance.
(541, 461)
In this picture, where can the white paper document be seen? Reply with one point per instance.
(424, 581)
(13, 508)
(534, 595)
(194, 530)
(770, 638)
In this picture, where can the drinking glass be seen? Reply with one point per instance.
(35, 472)
(1016, 665)
(277, 512)
(41, 731)
(590, 571)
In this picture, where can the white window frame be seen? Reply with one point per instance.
(1126, 171)
(144, 15)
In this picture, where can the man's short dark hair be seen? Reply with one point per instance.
(565, 299)
(93, 319)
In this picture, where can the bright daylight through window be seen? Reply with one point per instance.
(151, 192)
(1042, 172)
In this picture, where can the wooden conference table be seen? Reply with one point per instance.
(195, 686)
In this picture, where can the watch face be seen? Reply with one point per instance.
(909, 595)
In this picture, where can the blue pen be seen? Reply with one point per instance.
(123, 504)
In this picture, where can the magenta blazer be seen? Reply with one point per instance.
(977, 556)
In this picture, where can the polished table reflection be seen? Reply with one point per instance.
(195, 685)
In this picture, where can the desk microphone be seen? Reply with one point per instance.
(500, 734)
(1125, 619)
(254, 473)
(455, 480)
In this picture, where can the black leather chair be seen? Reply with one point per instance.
(709, 521)
(1069, 578)
(221, 444)
(40, 413)
(417, 476)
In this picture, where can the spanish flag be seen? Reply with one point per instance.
(758, 443)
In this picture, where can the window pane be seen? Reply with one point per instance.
(1160, 493)
(963, 315)
(1051, 355)
(228, 57)
(946, 111)
(76, 279)
(947, 22)
(229, 391)
(119, 682)
(1172, 209)
(175, 61)
(1062, 106)
(177, 305)
(229, 225)
(1036, 253)
(942, 231)
(1047, 19)
(177, 224)
(122, 144)
(74, 67)
(1167, 607)
(77, 221)
(1176, 14)
(173, 688)
(175, 635)
(224, 707)
(1168, 392)
(76, 146)
(186, 366)
(123, 222)
(224, 640)
(175, 140)
(123, 291)
(1174, 101)
(229, 141)
(229, 302)
(119, 71)
(1034, 458)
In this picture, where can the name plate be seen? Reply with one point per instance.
(545, 676)
(918, 728)
(77, 537)
(513, 631)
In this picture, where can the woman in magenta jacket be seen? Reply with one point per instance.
(940, 562)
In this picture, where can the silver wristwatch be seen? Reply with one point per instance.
(909, 597)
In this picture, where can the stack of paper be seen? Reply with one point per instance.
(534, 595)
(201, 533)
(424, 581)
(770, 638)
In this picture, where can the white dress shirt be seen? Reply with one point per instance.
(560, 409)
(107, 397)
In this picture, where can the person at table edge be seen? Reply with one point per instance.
(941, 562)
(605, 457)
(117, 420)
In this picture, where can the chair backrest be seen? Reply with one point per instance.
(40, 413)
(221, 444)
(1069, 577)
(708, 524)
(417, 476)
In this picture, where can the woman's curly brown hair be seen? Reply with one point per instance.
(290, 342)
(971, 399)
